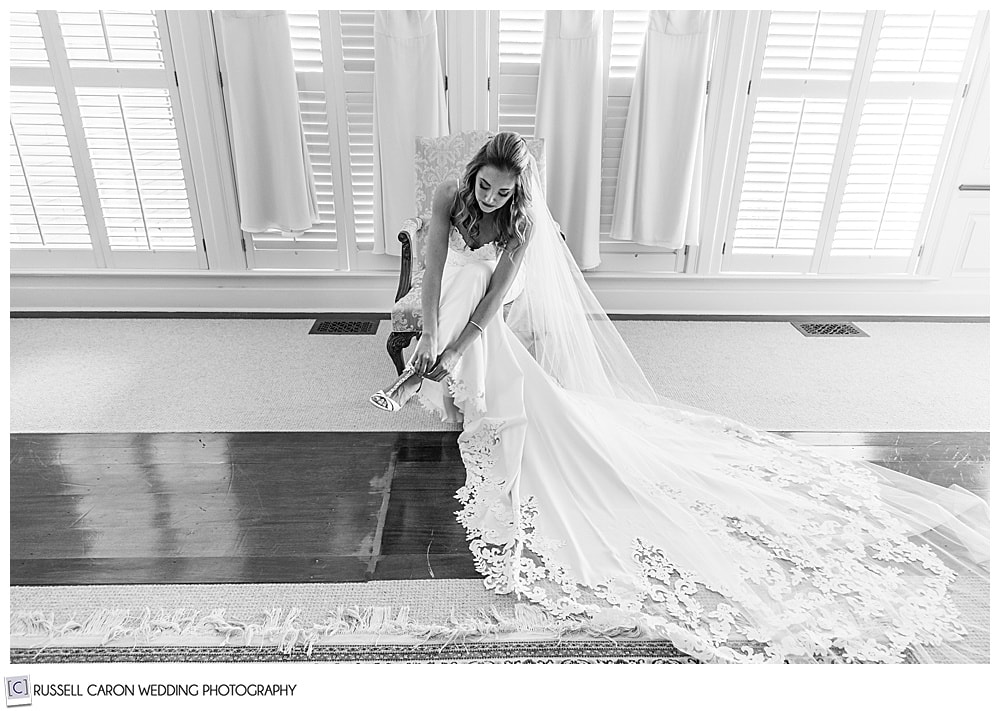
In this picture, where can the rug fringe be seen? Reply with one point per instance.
(285, 629)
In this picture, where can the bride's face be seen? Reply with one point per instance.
(494, 188)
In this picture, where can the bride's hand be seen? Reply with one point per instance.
(426, 353)
(445, 365)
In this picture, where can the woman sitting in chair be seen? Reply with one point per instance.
(593, 498)
(475, 245)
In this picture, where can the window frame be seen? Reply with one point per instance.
(65, 80)
(820, 260)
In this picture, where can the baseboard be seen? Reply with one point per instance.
(290, 316)
(283, 295)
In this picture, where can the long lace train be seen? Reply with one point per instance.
(735, 544)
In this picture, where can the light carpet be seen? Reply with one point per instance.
(228, 375)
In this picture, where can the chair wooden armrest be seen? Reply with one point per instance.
(407, 238)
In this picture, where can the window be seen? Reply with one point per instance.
(334, 58)
(847, 116)
(316, 247)
(99, 166)
(917, 71)
(518, 40)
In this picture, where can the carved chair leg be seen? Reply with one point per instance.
(398, 340)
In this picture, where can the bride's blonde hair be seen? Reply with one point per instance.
(506, 151)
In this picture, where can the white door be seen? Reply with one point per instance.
(963, 241)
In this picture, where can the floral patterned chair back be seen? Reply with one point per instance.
(445, 158)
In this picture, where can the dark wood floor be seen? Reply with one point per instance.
(300, 507)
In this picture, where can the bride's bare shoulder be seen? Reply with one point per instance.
(445, 193)
(443, 204)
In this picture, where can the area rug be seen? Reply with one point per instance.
(439, 621)
(594, 651)
(383, 621)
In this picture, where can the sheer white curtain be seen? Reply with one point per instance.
(658, 197)
(274, 179)
(568, 116)
(409, 102)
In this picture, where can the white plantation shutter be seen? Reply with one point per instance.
(847, 116)
(45, 203)
(918, 65)
(307, 41)
(628, 32)
(307, 56)
(812, 45)
(27, 46)
(798, 97)
(98, 160)
(894, 158)
(788, 166)
(136, 160)
(112, 39)
(514, 80)
(358, 36)
(928, 47)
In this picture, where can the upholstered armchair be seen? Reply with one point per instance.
(435, 160)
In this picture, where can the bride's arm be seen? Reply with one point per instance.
(503, 276)
(436, 252)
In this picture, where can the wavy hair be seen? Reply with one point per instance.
(508, 152)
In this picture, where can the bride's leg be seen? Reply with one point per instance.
(451, 411)
(395, 396)
(459, 298)
(462, 289)
(406, 389)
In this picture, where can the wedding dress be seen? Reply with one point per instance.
(597, 501)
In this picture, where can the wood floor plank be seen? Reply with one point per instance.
(107, 507)
(414, 478)
(423, 526)
(302, 506)
(422, 567)
(939, 453)
(914, 439)
(224, 569)
(199, 541)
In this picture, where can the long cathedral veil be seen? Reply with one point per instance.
(560, 320)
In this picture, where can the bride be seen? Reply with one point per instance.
(592, 497)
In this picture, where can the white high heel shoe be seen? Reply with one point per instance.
(384, 400)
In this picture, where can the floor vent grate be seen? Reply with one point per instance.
(820, 328)
(345, 327)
